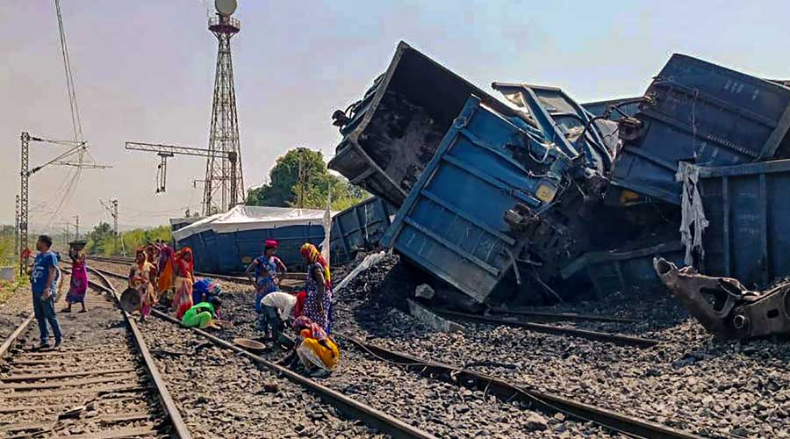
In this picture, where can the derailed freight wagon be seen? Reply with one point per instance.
(203, 241)
(391, 134)
(498, 210)
(359, 229)
(230, 241)
(704, 114)
(748, 232)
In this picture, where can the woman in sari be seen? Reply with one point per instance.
(318, 285)
(314, 349)
(79, 280)
(266, 270)
(166, 273)
(152, 257)
(140, 277)
(185, 279)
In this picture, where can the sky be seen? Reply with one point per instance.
(144, 71)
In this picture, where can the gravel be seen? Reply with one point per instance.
(690, 381)
(103, 343)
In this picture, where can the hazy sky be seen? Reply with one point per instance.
(144, 71)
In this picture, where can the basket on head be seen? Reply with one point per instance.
(77, 245)
(131, 300)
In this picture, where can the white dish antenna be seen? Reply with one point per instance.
(225, 7)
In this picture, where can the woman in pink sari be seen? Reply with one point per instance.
(185, 279)
(79, 280)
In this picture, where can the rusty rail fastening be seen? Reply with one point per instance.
(618, 339)
(352, 408)
(543, 401)
(168, 404)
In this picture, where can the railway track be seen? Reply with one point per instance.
(351, 408)
(618, 339)
(291, 282)
(540, 400)
(102, 383)
(506, 392)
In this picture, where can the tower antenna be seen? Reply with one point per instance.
(220, 193)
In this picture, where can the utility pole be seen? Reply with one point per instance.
(23, 201)
(112, 209)
(16, 227)
(76, 227)
(115, 221)
(299, 181)
(76, 151)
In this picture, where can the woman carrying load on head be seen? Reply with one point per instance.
(264, 273)
(79, 280)
(318, 304)
(140, 276)
(185, 279)
(317, 353)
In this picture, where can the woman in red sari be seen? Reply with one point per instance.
(185, 279)
(79, 280)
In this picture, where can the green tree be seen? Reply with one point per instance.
(100, 237)
(101, 241)
(285, 188)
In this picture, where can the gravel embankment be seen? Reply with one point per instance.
(689, 381)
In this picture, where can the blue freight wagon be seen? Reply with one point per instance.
(180, 223)
(237, 249)
(621, 270)
(201, 238)
(391, 134)
(704, 114)
(480, 202)
(359, 228)
(748, 235)
(226, 243)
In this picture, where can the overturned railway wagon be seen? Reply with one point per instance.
(359, 229)
(203, 241)
(704, 114)
(391, 134)
(226, 243)
(486, 217)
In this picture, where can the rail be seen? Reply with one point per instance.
(372, 417)
(544, 401)
(14, 335)
(168, 405)
(618, 339)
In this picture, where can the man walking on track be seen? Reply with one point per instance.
(42, 283)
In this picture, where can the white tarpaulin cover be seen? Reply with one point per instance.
(195, 228)
(253, 218)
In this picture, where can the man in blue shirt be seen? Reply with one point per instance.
(42, 283)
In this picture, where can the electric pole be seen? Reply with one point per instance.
(76, 227)
(16, 228)
(112, 209)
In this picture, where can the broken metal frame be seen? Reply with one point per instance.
(735, 311)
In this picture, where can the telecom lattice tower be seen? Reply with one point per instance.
(224, 187)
